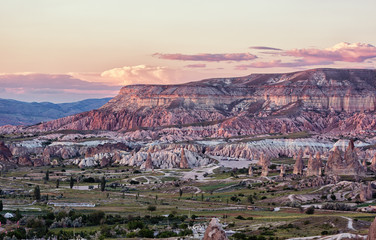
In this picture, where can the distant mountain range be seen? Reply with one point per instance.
(14, 112)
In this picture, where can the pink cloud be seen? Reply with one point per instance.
(345, 52)
(207, 57)
(279, 63)
(51, 87)
(195, 66)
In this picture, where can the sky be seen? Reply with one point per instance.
(69, 50)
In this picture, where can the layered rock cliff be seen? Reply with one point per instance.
(308, 100)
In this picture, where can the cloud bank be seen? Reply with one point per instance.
(207, 57)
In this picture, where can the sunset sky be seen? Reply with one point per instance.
(68, 50)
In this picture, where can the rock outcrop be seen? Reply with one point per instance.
(373, 164)
(250, 171)
(299, 164)
(314, 167)
(5, 156)
(372, 231)
(215, 231)
(282, 172)
(335, 93)
(366, 193)
(183, 162)
(148, 163)
(346, 165)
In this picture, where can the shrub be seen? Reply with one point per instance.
(310, 210)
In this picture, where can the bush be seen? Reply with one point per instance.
(146, 233)
(240, 217)
(135, 224)
(310, 210)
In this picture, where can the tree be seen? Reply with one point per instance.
(152, 208)
(57, 183)
(47, 177)
(310, 210)
(103, 183)
(180, 192)
(71, 182)
(1, 205)
(37, 193)
(250, 199)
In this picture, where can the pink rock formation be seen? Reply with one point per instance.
(366, 193)
(148, 163)
(333, 92)
(183, 161)
(25, 161)
(372, 231)
(282, 172)
(5, 156)
(348, 165)
(373, 164)
(299, 164)
(264, 162)
(314, 165)
(214, 231)
(250, 171)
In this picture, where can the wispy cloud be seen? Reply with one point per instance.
(207, 57)
(343, 52)
(195, 65)
(51, 87)
(279, 64)
(265, 48)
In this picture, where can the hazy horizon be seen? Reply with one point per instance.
(67, 51)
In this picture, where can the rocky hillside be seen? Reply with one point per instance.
(14, 112)
(318, 100)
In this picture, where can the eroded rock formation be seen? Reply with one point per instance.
(183, 162)
(299, 164)
(366, 192)
(372, 231)
(346, 165)
(314, 167)
(282, 172)
(335, 93)
(148, 163)
(215, 231)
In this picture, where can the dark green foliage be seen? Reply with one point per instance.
(152, 208)
(310, 210)
(95, 218)
(71, 182)
(37, 193)
(103, 183)
(135, 225)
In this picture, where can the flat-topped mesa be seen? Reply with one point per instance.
(299, 164)
(314, 165)
(325, 90)
(348, 165)
(183, 161)
(338, 89)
